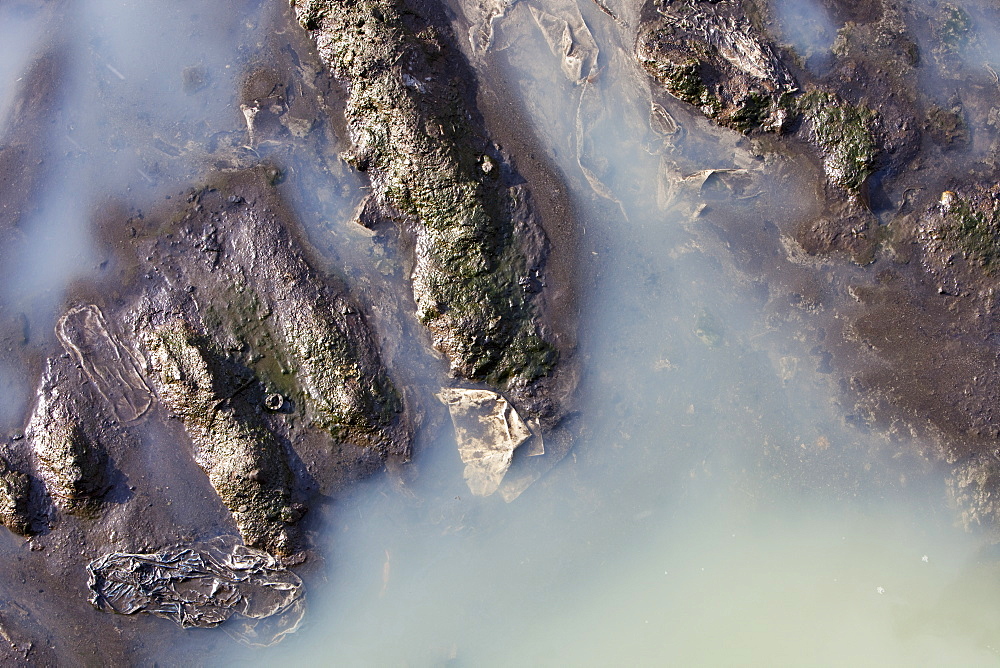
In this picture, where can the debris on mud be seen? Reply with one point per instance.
(488, 431)
(202, 585)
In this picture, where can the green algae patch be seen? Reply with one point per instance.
(348, 395)
(708, 329)
(947, 127)
(685, 82)
(244, 460)
(710, 56)
(752, 113)
(974, 231)
(433, 169)
(843, 132)
(266, 306)
(955, 29)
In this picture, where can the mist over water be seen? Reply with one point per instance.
(19, 29)
(717, 508)
(103, 104)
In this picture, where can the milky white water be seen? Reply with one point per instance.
(718, 507)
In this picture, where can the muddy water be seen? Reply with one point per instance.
(89, 126)
(719, 506)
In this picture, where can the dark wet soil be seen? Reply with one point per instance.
(182, 258)
(899, 304)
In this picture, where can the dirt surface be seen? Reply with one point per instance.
(894, 282)
(140, 488)
(883, 265)
(211, 380)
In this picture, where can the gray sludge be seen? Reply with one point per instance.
(202, 585)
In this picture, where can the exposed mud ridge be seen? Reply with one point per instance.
(213, 343)
(478, 250)
(213, 383)
(901, 121)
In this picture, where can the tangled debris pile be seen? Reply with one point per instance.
(201, 585)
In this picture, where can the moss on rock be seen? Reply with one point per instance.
(975, 230)
(431, 166)
(685, 81)
(844, 133)
(955, 28)
(706, 54)
(244, 461)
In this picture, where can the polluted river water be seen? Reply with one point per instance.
(719, 505)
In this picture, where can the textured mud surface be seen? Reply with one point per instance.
(226, 354)
(245, 345)
(899, 117)
(478, 249)
(213, 383)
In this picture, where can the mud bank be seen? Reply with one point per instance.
(896, 115)
(478, 249)
(212, 380)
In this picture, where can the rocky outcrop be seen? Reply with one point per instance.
(715, 56)
(266, 364)
(15, 490)
(254, 294)
(478, 253)
(243, 459)
(255, 341)
(709, 55)
(901, 120)
(63, 432)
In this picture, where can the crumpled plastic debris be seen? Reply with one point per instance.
(203, 585)
(109, 365)
(483, 15)
(488, 430)
(569, 38)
